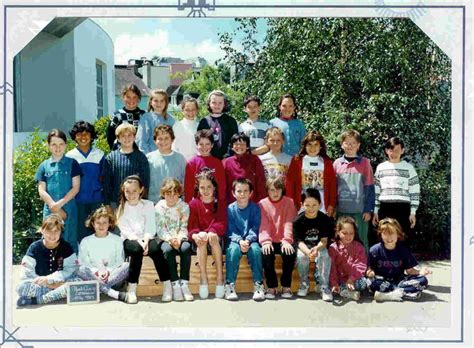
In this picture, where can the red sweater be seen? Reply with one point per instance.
(294, 182)
(277, 220)
(201, 218)
(247, 166)
(194, 166)
(347, 262)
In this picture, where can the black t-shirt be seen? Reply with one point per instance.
(310, 231)
(49, 260)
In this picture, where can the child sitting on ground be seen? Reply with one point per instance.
(48, 265)
(348, 260)
(243, 223)
(392, 273)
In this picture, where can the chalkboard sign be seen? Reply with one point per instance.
(83, 292)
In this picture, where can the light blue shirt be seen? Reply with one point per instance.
(146, 126)
(294, 133)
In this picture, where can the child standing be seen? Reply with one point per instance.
(275, 162)
(348, 260)
(101, 255)
(222, 125)
(312, 230)
(164, 162)
(243, 219)
(130, 113)
(397, 188)
(48, 264)
(253, 127)
(389, 260)
(172, 216)
(91, 160)
(207, 225)
(243, 164)
(185, 129)
(204, 143)
(355, 184)
(125, 161)
(276, 237)
(59, 180)
(157, 115)
(287, 121)
(136, 220)
(312, 168)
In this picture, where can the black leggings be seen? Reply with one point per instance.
(135, 251)
(269, 267)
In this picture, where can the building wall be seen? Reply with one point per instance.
(92, 44)
(160, 77)
(44, 83)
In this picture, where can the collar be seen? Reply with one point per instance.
(358, 158)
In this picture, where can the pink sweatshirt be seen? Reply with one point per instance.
(347, 262)
(277, 220)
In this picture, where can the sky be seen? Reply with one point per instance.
(170, 37)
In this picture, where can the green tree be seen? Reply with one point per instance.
(381, 76)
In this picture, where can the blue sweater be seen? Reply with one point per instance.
(243, 224)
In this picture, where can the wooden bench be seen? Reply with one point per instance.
(149, 285)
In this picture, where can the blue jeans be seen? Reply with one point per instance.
(232, 262)
(83, 212)
(321, 272)
(409, 284)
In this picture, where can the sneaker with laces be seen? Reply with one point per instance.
(395, 295)
(230, 293)
(271, 293)
(351, 295)
(411, 296)
(203, 291)
(219, 291)
(258, 292)
(286, 292)
(188, 296)
(326, 294)
(177, 293)
(303, 289)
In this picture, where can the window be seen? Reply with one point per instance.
(100, 86)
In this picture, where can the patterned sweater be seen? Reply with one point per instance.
(397, 182)
(172, 222)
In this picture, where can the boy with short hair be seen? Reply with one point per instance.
(164, 162)
(125, 161)
(355, 184)
(130, 113)
(312, 230)
(253, 127)
(91, 161)
(243, 223)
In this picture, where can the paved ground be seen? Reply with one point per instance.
(432, 310)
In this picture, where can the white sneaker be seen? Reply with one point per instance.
(395, 295)
(303, 289)
(230, 293)
(326, 294)
(271, 293)
(203, 291)
(131, 293)
(167, 291)
(351, 295)
(177, 293)
(219, 291)
(258, 292)
(185, 290)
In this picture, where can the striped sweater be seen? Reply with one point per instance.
(118, 166)
(397, 182)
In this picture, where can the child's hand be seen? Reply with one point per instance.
(350, 285)
(336, 289)
(104, 275)
(174, 242)
(244, 245)
(330, 211)
(43, 281)
(366, 217)
(370, 274)
(375, 220)
(425, 271)
(287, 248)
(54, 285)
(267, 249)
(412, 219)
(212, 237)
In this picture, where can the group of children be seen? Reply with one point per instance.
(258, 189)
